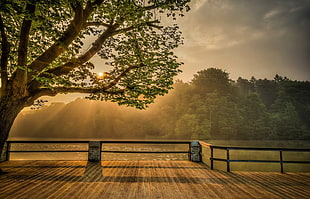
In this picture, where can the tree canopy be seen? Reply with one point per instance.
(47, 46)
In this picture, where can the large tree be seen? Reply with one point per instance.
(47, 46)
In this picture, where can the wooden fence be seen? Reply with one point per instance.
(100, 143)
(229, 160)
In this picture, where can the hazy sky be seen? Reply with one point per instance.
(247, 38)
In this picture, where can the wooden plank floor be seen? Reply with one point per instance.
(143, 179)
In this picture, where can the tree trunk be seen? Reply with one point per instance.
(9, 109)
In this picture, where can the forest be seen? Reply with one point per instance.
(210, 106)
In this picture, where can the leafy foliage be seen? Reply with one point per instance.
(52, 43)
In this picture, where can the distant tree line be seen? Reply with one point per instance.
(211, 106)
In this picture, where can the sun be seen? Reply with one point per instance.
(100, 74)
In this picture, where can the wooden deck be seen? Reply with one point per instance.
(143, 179)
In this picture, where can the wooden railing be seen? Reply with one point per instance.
(146, 142)
(228, 160)
(9, 143)
(9, 150)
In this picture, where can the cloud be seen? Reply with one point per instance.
(272, 13)
(218, 24)
(196, 4)
(225, 23)
(249, 36)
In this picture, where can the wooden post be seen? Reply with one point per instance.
(8, 149)
(227, 160)
(189, 152)
(211, 158)
(195, 151)
(94, 151)
(281, 162)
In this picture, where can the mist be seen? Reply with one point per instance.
(210, 107)
(82, 118)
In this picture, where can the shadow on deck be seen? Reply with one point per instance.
(143, 179)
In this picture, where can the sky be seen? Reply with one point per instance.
(246, 38)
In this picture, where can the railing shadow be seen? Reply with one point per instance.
(93, 171)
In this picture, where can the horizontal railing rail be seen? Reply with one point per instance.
(259, 148)
(146, 142)
(228, 160)
(9, 150)
(46, 141)
(108, 151)
(46, 151)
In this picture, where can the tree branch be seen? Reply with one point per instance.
(39, 92)
(151, 23)
(5, 51)
(96, 90)
(59, 46)
(123, 74)
(158, 4)
(24, 36)
(96, 2)
(73, 30)
(49, 92)
(148, 23)
(20, 75)
(94, 23)
(96, 46)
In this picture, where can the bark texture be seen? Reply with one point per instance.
(9, 109)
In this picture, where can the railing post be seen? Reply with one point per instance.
(94, 151)
(189, 152)
(195, 151)
(8, 149)
(227, 160)
(211, 158)
(281, 162)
